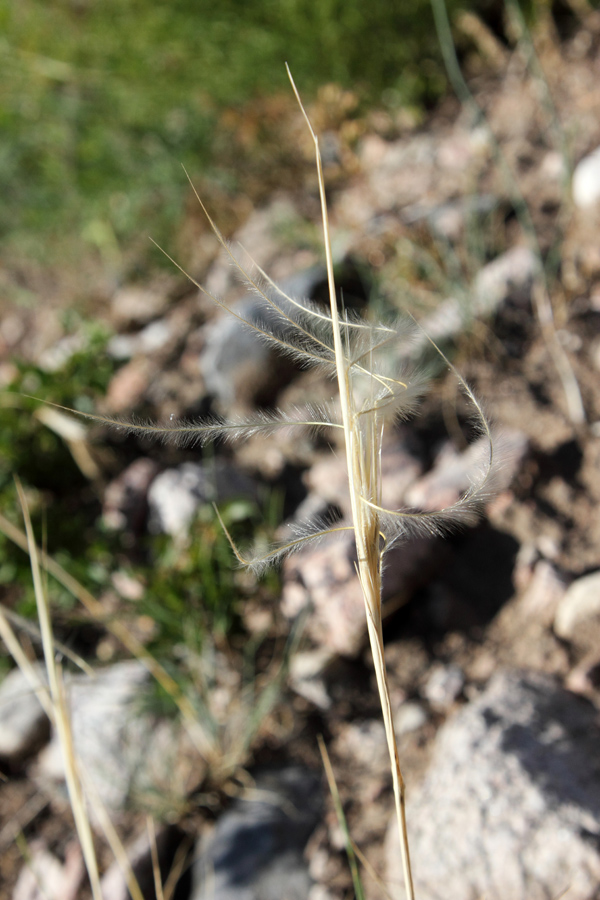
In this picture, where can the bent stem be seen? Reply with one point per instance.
(362, 438)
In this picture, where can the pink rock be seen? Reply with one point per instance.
(455, 472)
(328, 477)
(325, 577)
(128, 386)
(45, 877)
(125, 499)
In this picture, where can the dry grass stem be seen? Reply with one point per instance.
(372, 395)
(56, 707)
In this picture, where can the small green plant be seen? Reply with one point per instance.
(372, 395)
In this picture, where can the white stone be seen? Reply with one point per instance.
(586, 181)
(409, 717)
(578, 614)
(22, 719)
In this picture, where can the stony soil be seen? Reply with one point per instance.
(490, 593)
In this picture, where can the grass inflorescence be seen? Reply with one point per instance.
(372, 395)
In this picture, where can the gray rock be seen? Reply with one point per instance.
(577, 617)
(125, 752)
(256, 851)
(508, 277)
(175, 495)
(443, 685)
(510, 807)
(24, 726)
(237, 366)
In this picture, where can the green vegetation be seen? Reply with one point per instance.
(100, 102)
(188, 590)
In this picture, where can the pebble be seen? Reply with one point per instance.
(410, 717)
(257, 849)
(137, 305)
(443, 686)
(324, 577)
(586, 181)
(45, 877)
(238, 366)
(577, 618)
(175, 496)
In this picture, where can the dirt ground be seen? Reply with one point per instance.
(478, 611)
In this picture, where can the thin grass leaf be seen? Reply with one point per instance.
(309, 533)
(339, 811)
(60, 716)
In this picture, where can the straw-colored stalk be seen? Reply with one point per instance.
(53, 698)
(55, 706)
(371, 396)
(362, 439)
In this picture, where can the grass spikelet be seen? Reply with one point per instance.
(372, 394)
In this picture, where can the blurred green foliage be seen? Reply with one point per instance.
(101, 101)
(190, 588)
(62, 504)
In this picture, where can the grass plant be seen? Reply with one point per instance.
(547, 269)
(356, 355)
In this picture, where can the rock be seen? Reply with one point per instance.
(404, 171)
(542, 595)
(128, 385)
(443, 686)
(585, 678)
(175, 495)
(124, 751)
(449, 219)
(24, 727)
(508, 278)
(510, 806)
(410, 716)
(400, 468)
(577, 617)
(126, 498)
(364, 743)
(56, 357)
(153, 337)
(325, 577)
(307, 676)
(586, 180)
(45, 877)
(238, 367)
(137, 305)
(455, 472)
(139, 854)
(256, 850)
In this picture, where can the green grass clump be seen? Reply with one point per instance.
(99, 100)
